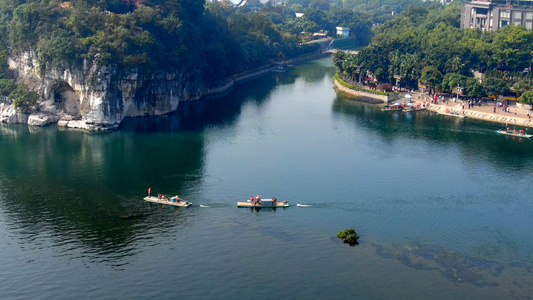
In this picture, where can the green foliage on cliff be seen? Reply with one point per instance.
(153, 35)
(12, 92)
(24, 99)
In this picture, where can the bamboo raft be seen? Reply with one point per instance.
(265, 203)
(409, 109)
(167, 201)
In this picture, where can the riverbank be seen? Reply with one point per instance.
(363, 96)
(488, 111)
(243, 76)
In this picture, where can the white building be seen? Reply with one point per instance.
(492, 15)
(343, 31)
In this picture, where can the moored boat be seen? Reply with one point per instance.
(265, 203)
(520, 133)
(414, 109)
(395, 107)
(168, 201)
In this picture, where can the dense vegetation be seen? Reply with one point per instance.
(210, 40)
(427, 45)
(374, 11)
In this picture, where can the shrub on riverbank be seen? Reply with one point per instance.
(345, 84)
(526, 98)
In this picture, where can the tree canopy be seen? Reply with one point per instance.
(425, 41)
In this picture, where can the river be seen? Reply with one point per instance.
(443, 205)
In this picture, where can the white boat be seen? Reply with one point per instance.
(515, 133)
(395, 107)
(265, 203)
(452, 113)
(168, 201)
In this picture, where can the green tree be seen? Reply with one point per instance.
(24, 99)
(7, 86)
(526, 98)
(521, 87)
(338, 59)
(452, 80)
(297, 8)
(474, 88)
(431, 76)
(495, 86)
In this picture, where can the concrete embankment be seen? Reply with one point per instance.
(487, 113)
(516, 116)
(365, 96)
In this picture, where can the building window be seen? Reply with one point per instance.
(481, 11)
(517, 23)
(529, 25)
(505, 14)
(529, 15)
(503, 24)
(518, 15)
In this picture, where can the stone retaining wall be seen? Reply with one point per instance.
(382, 98)
(505, 119)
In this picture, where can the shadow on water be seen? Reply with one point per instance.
(209, 111)
(475, 138)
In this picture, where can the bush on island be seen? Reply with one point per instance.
(349, 236)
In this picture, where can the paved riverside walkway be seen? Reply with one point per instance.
(515, 116)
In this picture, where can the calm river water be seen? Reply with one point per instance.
(443, 206)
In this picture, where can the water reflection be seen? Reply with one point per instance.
(475, 139)
(315, 71)
(86, 189)
(83, 189)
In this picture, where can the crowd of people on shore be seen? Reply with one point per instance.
(504, 106)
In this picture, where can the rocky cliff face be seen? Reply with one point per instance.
(98, 97)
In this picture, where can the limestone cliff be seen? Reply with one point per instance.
(98, 97)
